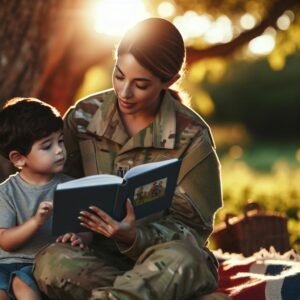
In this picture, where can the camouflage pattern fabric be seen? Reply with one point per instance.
(97, 142)
(169, 271)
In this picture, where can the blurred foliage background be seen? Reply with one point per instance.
(242, 75)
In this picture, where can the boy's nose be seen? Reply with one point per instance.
(59, 149)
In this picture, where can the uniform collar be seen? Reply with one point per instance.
(107, 122)
(159, 134)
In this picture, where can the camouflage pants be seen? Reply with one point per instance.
(170, 271)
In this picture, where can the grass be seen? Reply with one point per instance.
(266, 173)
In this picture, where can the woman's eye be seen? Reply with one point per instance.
(119, 77)
(141, 87)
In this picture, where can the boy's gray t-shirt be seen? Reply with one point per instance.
(19, 201)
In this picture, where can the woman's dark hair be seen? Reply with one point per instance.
(23, 121)
(157, 45)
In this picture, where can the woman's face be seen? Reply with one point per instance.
(137, 89)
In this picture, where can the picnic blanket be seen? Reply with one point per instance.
(266, 275)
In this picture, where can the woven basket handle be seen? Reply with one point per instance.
(228, 216)
(251, 205)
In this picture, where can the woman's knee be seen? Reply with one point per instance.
(179, 251)
(54, 262)
(61, 267)
(185, 261)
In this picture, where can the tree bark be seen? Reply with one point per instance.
(27, 37)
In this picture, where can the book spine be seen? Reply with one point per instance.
(120, 202)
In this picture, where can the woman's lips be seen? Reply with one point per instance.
(125, 103)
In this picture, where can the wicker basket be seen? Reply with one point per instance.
(252, 231)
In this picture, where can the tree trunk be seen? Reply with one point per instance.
(26, 38)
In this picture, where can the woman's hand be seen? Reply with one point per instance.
(100, 222)
(72, 238)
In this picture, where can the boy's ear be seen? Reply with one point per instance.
(171, 81)
(17, 159)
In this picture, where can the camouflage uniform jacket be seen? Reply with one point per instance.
(97, 142)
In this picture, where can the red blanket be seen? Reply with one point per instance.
(263, 276)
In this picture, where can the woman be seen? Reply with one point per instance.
(141, 120)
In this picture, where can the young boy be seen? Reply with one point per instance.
(31, 138)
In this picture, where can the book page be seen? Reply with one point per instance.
(93, 180)
(147, 167)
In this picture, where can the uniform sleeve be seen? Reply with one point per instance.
(7, 212)
(73, 166)
(197, 198)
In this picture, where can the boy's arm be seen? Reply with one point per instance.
(15, 237)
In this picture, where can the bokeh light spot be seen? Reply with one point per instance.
(235, 152)
(247, 21)
(166, 9)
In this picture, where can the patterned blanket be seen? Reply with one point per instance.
(266, 275)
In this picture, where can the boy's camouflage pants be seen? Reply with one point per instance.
(170, 271)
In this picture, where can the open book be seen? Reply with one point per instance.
(150, 187)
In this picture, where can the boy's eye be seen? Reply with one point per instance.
(61, 140)
(46, 147)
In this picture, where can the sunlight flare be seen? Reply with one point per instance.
(115, 17)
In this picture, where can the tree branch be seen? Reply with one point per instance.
(222, 50)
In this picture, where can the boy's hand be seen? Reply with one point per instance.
(72, 238)
(44, 212)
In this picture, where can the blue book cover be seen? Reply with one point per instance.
(150, 187)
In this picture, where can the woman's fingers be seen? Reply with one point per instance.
(90, 218)
(99, 218)
(100, 222)
(94, 223)
(104, 216)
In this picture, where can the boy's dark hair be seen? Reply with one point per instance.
(23, 121)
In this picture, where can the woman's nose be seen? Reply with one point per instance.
(126, 91)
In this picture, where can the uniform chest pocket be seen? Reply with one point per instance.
(97, 157)
(88, 156)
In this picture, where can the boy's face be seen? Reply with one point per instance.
(47, 155)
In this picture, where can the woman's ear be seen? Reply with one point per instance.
(17, 159)
(171, 81)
